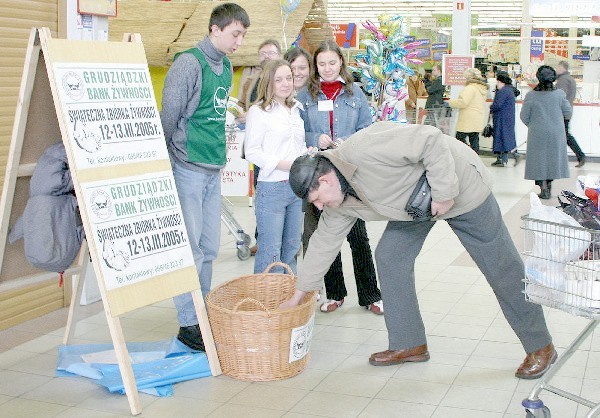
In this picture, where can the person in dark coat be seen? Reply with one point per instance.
(567, 83)
(544, 110)
(435, 88)
(435, 99)
(503, 116)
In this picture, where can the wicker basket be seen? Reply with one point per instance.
(253, 337)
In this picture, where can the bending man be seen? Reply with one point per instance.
(371, 176)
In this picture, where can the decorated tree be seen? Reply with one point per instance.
(384, 67)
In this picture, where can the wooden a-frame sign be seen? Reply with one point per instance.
(111, 130)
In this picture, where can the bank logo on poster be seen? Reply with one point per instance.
(73, 85)
(101, 204)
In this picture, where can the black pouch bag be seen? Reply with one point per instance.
(419, 202)
(488, 131)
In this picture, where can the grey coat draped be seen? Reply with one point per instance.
(543, 113)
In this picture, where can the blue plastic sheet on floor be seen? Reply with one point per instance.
(156, 365)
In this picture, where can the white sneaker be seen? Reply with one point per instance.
(331, 305)
(376, 307)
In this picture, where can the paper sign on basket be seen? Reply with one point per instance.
(301, 339)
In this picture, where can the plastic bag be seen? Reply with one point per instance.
(583, 210)
(566, 241)
(556, 238)
(589, 186)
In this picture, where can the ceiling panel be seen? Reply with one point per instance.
(490, 14)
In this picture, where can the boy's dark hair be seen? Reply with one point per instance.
(227, 13)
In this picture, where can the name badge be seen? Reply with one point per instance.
(325, 105)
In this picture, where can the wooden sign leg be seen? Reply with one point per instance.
(79, 282)
(206, 331)
(133, 397)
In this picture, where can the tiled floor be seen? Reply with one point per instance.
(474, 353)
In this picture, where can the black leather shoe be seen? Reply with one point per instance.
(390, 357)
(191, 337)
(537, 363)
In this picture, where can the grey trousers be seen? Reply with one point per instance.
(484, 235)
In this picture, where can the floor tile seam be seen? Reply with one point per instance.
(66, 407)
(70, 405)
(351, 327)
(308, 393)
(29, 389)
(346, 327)
(375, 398)
(352, 395)
(434, 334)
(448, 387)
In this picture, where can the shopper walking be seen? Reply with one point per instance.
(334, 109)
(471, 105)
(544, 110)
(416, 88)
(503, 116)
(435, 99)
(567, 83)
(435, 89)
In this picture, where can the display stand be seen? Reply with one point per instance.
(28, 292)
(110, 126)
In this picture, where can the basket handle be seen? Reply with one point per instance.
(254, 301)
(279, 264)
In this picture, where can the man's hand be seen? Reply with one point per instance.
(293, 301)
(440, 208)
(325, 141)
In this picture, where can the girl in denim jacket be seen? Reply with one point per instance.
(333, 109)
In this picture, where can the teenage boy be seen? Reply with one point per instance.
(194, 104)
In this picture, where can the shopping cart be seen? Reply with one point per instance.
(440, 117)
(562, 269)
(235, 163)
(243, 240)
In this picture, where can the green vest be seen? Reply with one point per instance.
(206, 142)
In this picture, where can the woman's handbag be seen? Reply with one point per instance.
(488, 131)
(419, 202)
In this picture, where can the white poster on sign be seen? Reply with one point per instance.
(138, 227)
(110, 110)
